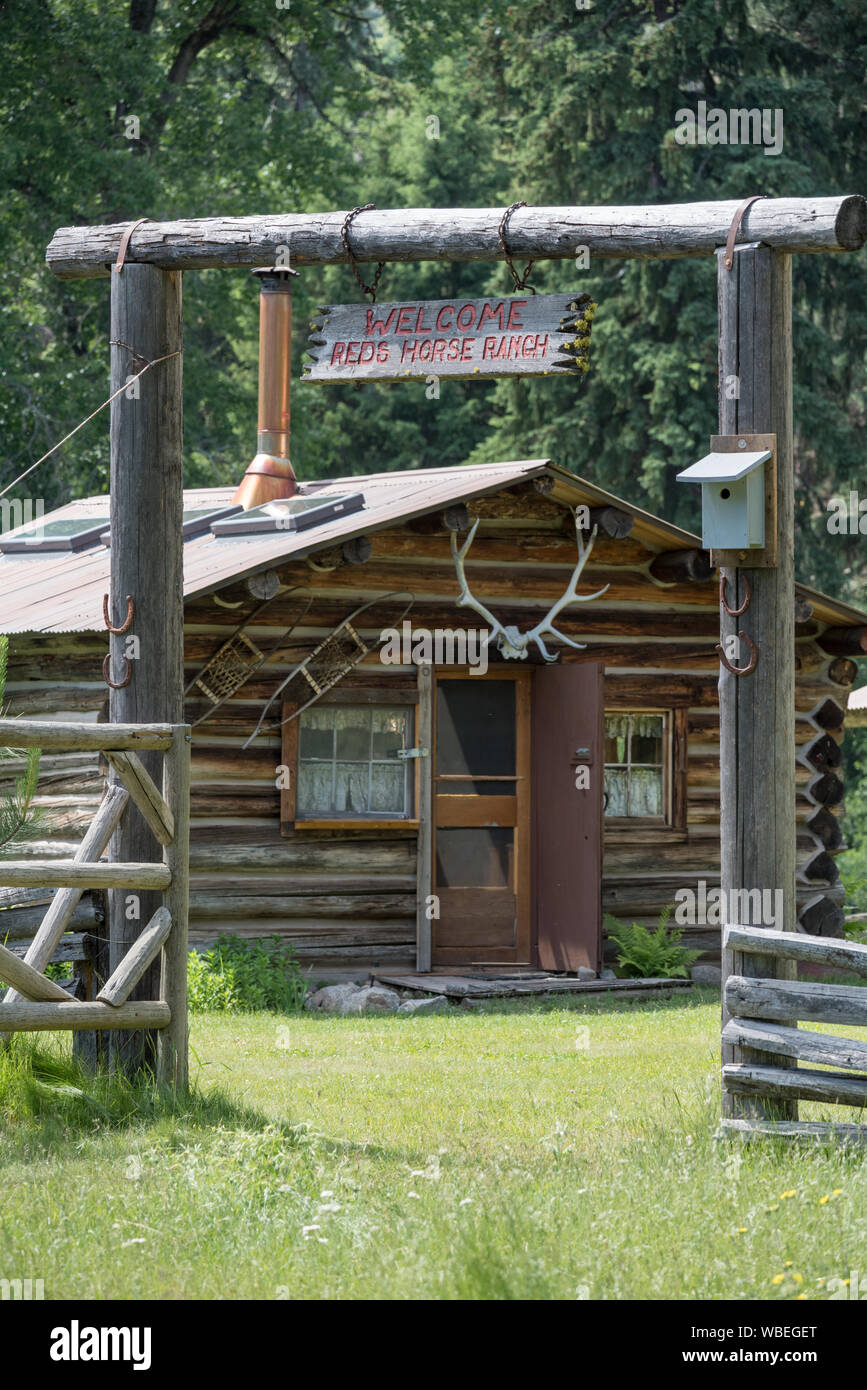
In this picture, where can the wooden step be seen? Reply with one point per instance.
(748, 1079)
(782, 1041)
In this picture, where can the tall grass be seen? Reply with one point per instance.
(521, 1151)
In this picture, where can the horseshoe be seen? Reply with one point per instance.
(734, 612)
(116, 685)
(130, 610)
(751, 664)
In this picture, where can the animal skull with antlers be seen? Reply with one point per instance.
(511, 642)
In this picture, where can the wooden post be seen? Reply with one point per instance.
(424, 869)
(146, 564)
(172, 1042)
(757, 712)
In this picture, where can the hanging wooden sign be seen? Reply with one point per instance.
(467, 339)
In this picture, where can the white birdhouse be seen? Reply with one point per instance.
(732, 498)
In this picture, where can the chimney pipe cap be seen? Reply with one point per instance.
(278, 273)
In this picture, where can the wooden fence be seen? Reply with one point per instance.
(763, 1080)
(34, 1003)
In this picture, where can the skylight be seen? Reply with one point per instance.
(290, 514)
(196, 521)
(66, 533)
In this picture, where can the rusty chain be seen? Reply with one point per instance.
(344, 237)
(520, 280)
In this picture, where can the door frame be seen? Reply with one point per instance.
(522, 952)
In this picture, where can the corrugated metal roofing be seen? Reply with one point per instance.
(63, 592)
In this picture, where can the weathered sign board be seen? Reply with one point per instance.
(467, 339)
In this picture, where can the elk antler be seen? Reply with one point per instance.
(511, 642)
(466, 599)
(570, 596)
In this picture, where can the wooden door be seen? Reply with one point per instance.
(481, 815)
(568, 732)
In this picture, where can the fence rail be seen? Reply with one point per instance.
(34, 1003)
(761, 1024)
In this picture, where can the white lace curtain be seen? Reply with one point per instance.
(339, 772)
(629, 790)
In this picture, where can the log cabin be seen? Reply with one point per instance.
(396, 815)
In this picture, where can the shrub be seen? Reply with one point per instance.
(649, 953)
(240, 976)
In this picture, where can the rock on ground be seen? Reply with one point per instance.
(332, 999)
(373, 999)
(585, 973)
(431, 1004)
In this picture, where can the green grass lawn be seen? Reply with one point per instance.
(522, 1151)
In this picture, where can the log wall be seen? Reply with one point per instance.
(347, 898)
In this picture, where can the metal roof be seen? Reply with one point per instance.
(63, 591)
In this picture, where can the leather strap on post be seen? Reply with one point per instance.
(124, 243)
(729, 257)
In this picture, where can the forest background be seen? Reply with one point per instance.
(113, 109)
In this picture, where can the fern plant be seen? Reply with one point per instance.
(651, 954)
(18, 820)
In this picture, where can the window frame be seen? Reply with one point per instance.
(674, 770)
(290, 820)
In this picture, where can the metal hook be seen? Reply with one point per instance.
(734, 612)
(130, 610)
(106, 666)
(751, 664)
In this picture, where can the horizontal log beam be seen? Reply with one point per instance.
(24, 922)
(781, 1041)
(820, 950)
(744, 1079)
(48, 1018)
(817, 1131)
(782, 1001)
(465, 234)
(844, 641)
(73, 946)
(34, 733)
(29, 982)
(682, 567)
(59, 873)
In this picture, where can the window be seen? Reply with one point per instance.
(348, 763)
(636, 781)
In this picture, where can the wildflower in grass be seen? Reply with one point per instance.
(790, 1192)
(778, 1278)
(801, 1297)
(824, 1200)
(838, 1192)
